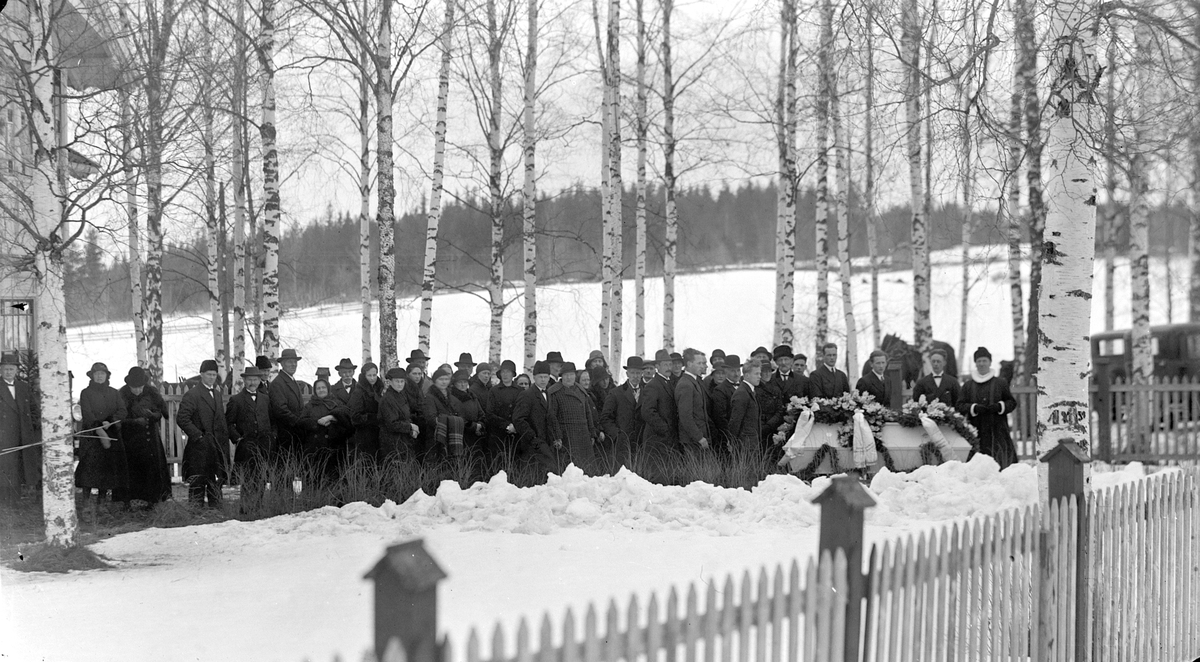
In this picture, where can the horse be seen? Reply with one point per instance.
(896, 347)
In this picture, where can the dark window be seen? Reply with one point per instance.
(16, 325)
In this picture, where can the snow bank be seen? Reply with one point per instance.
(950, 491)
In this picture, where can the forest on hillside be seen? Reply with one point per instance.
(718, 228)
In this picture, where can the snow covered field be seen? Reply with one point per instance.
(291, 588)
(728, 309)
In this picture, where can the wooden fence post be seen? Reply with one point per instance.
(1104, 407)
(842, 505)
(1067, 478)
(406, 580)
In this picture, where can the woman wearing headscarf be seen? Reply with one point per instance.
(149, 477)
(571, 419)
(442, 410)
(470, 408)
(325, 422)
(102, 462)
(987, 402)
(364, 411)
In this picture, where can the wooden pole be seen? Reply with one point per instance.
(842, 506)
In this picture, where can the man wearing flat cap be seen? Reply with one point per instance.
(16, 429)
(530, 418)
(659, 414)
(248, 417)
(286, 404)
(205, 457)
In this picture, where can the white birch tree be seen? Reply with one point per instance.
(872, 220)
(1012, 213)
(1111, 214)
(137, 307)
(529, 189)
(1139, 217)
(785, 203)
(365, 58)
(268, 135)
(641, 131)
(1027, 68)
(615, 184)
(208, 139)
(842, 171)
(821, 223)
(386, 205)
(910, 45)
(671, 236)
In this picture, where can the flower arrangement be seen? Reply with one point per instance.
(838, 413)
(942, 414)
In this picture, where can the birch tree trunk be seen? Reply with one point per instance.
(910, 45)
(615, 184)
(1071, 220)
(968, 189)
(131, 214)
(496, 151)
(529, 191)
(824, 94)
(1194, 221)
(237, 102)
(606, 216)
(872, 220)
(58, 477)
(1012, 209)
(428, 279)
(386, 204)
(364, 190)
(642, 130)
(842, 171)
(270, 169)
(672, 213)
(1111, 214)
(208, 121)
(1139, 223)
(785, 205)
(1027, 69)
(158, 40)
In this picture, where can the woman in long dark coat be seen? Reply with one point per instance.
(986, 402)
(364, 411)
(501, 400)
(571, 420)
(149, 477)
(326, 425)
(442, 412)
(471, 410)
(102, 463)
(397, 430)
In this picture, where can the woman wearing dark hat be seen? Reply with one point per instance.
(364, 411)
(102, 462)
(397, 431)
(414, 393)
(501, 400)
(571, 421)
(149, 477)
(326, 425)
(987, 402)
(470, 408)
(441, 410)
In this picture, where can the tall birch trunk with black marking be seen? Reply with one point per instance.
(672, 212)
(910, 44)
(1066, 291)
(237, 104)
(428, 278)
(824, 93)
(785, 202)
(606, 233)
(386, 205)
(1111, 215)
(1012, 216)
(842, 171)
(615, 185)
(529, 191)
(208, 127)
(872, 220)
(270, 168)
(1139, 220)
(968, 184)
(496, 204)
(642, 130)
(58, 478)
(1027, 62)
(129, 177)
(364, 188)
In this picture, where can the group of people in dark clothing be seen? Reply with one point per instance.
(669, 407)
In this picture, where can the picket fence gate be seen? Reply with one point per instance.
(1112, 576)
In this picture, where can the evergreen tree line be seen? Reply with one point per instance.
(722, 228)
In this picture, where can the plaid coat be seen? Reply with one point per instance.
(572, 419)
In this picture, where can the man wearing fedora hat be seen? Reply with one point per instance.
(417, 358)
(202, 418)
(658, 410)
(345, 384)
(554, 360)
(531, 422)
(16, 429)
(621, 417)
(286, 403)
(248, 418)
(786, 382)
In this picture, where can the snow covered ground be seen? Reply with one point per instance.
(732, 310)
(291, 587)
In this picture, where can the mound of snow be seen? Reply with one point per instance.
(951, 490)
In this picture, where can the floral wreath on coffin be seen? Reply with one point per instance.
(841, 413)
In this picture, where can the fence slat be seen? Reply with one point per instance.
(498, 653)
(523, 652)
(795, 603)
(591, 638)
(654, 633)
(823, 607)
(671, 630)
(712, 612)
(727, 616)
(633, 631)
(811, 606)
(745, 617)
(777, 615)
(762, 614)
(546, 652)
(612, 633)
(837, 613)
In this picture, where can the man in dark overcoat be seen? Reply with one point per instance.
(658, 411)
(769, 393)
(745, 426)
(721, 400)
(986, 401)
(621, 418)
(248, 417)
(202, 418)
(873, 382)
(16, 429)
(691, 403)
(787, 382)
(286, 404)
(397, 429)
(530, 418)
(938, 386)
(716, 374)
(826, 381)
(345, 384)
